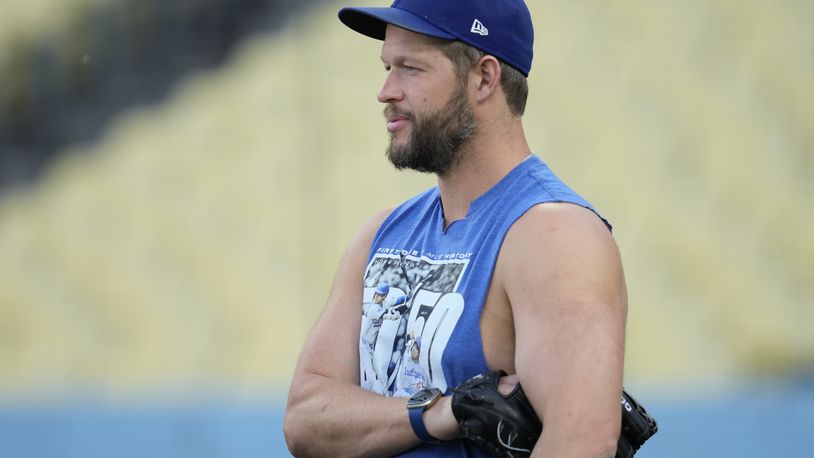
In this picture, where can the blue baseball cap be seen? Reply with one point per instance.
(501, 28)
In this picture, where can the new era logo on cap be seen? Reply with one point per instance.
(479, 28)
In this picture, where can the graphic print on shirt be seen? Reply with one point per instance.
(409, 311)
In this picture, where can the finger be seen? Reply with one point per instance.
(507, 384)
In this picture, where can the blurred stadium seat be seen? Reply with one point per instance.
(67, 67)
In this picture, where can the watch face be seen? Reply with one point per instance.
(424, 398)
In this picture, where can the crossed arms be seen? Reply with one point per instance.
(560, 271)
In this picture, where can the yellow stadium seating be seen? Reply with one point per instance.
(192, 247)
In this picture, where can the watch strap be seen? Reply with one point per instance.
(417, 422)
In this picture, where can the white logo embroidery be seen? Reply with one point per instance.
(479, 28)
(508, 441)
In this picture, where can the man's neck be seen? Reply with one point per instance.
(489, 157)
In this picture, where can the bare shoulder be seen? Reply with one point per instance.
(560, 228)
(368, 230)
(562, 218)
(352, 263)
(351, 267)
(560, 249)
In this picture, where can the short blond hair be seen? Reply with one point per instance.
(514, 84)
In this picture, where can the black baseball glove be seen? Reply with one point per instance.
(508, 426)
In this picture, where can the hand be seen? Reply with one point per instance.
(507, 384)
(495, 413)
(440, 422)
(392, 314)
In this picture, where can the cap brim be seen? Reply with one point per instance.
(373, 22)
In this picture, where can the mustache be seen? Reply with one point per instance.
(391, 111)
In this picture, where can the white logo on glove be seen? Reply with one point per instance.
(507, 444)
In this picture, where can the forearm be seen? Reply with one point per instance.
(325, 417)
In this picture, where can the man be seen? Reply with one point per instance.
(518, 272)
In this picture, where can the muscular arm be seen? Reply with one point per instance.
(328, 413)
(561, 272)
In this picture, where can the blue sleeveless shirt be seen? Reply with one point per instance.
(425, 285)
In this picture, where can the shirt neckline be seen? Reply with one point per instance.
(496, 190)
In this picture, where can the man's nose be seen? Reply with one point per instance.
(390, 91)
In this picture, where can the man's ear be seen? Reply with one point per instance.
(489, 75)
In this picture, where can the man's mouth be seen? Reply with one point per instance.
(395, 120)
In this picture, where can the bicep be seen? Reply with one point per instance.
(562, 273)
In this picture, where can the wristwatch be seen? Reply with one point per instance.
(416, 405)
